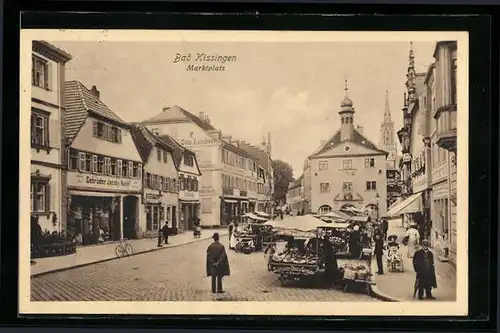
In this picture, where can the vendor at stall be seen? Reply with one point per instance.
(331, 265)
(233, 239)
(355, 242)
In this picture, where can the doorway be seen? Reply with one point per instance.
(130, 217)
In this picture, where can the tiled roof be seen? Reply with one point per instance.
(357, 138)
(144, 146)
(296, 183)
(256, 152)
(166, 115)
(79, 101)
(50, 51)
(177, 148)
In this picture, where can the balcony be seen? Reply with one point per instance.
(446, 129)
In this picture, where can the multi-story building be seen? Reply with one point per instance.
(428, 140)
(415, 203)
(265, 175)
(160, 181)
(388, 143)
(48, 161)
(189, 184)
(104, 179)
(295, 196)
(442, 89)
(347, 170)
(228, 172)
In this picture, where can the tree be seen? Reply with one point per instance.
(283, 175)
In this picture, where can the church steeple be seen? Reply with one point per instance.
(387, 133)
(346, 117)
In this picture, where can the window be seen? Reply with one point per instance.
(153, 182)
(39, 72)
(188, 160)
(94, 164)
(139, 170)
(347, 187)
(347, 164)
(160, 185)
(106, 132)
(453, 78)
(119, 168)
(165, 157)
(74, 159)
(107, 166)
(100, 165)
(39, 195)
(147, 180)
(39, 130)
(323, 165)
(130, 170)
(371, 185)
(182, 183)
(370, 162)
(124, 169)
(135, 172)
(324, 187)
(158, 154)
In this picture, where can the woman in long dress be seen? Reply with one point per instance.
(413, 240)
(234, 241)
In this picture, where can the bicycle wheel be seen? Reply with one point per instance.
(119, 251)
(128, 249)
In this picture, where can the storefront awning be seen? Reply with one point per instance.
(93, 194)
(230, 201)
(412, 204)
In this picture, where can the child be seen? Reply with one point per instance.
(269, 252)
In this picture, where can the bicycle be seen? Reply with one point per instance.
(124, 249)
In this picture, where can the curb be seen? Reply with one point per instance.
(57, 270)
(376, 292)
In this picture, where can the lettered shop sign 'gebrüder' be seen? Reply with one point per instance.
(98, 182)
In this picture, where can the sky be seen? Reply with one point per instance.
(291, 89)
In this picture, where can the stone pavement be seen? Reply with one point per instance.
(97, 253)
(178, 274)
(397, 286)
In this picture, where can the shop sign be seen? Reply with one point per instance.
(227, 191)
(207, 166)
(236, 192)
(406, 158)
(194, 142)
(207, 190)
(419, 183)
(243, 193)
(103, 182)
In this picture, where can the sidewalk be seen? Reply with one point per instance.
(399, 286)
(98, 253)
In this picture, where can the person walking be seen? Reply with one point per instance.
(423, 263)
(217, 264)
(268, 254)
(163, 235)
(379, 252)
(331, 265)
(413, 240)
(230, 229)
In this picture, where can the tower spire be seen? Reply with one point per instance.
(345, 88)
(387, 112)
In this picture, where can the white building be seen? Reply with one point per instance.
(295, 195)
(229, 174)
(105, 169)
(48, 189)
(347, 170)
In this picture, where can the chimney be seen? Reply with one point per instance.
(359, 129)
(95, 92)
(207, 120)
(202, 116)
(165, 109)
(268, 150)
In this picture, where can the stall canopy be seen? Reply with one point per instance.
(412, 204)
(255, 217)
(336, 214)
(262, 214)
(301, 223)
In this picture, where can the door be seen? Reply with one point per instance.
(130, 217)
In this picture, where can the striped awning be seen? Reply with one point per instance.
(412, 204)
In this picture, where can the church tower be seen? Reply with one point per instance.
(346, 117)
(387, 138)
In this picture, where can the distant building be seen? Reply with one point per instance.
(104, 176)
(347, 170)
(48, 154)
(388, 144)
(295, 196)
(229, 174)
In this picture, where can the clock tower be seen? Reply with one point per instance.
(387, 137)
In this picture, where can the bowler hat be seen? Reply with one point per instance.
(216, 236)
(392, 237)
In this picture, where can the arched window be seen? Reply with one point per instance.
(342, 120)
(324, 209)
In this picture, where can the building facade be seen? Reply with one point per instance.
(295, 196)
(104, 178)
(160, 181)
(347, 170)
(48, 158)
(229, 181)
(428, 140)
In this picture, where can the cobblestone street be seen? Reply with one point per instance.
(176, 274)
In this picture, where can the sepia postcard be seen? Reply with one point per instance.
(243, 172)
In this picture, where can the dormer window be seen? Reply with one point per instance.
(106, 132)
(39, 72)
(188, 160)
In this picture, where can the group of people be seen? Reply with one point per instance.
(418, 251)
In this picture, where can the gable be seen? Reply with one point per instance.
(358, 145)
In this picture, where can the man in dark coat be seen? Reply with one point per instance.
(163, 235)
(423, 263)
(385, 228)
(331, 265)
(379, 252)
(217, 264)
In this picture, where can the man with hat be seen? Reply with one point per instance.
(217, 264)
(423, 263)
